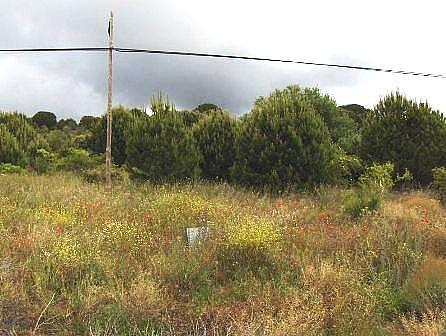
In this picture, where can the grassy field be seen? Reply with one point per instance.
(77, 260)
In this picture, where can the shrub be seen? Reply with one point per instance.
(161, 148)
(366, 198)
(77, 160)
(351, 168)
(407, 133)
(96, 174)
(43, 161)
(8, 168)
(58, 141)
(283, 144)
(440, 182)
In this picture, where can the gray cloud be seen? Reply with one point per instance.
(72, 85)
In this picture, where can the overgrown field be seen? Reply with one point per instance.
(78, 260)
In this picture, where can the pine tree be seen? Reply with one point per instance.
(284, 144)
(161, 147)
(10, 151)
(123, 118)
(407, 133)
(215, 136)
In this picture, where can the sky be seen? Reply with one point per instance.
(404, 35)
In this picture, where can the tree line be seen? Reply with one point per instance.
(294, 138)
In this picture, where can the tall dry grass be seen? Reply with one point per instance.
(76, 259)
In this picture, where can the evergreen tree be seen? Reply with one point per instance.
(122, 120)
(284, 144)
(161, 147)
(407, 133)
(45, 119)
(28, 139)
(215, 136)
(10, 151)
(88, 122)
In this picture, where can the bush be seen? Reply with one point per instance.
(8, 168)
(161, 148)
(77, 160)
(439, 175)
(407, 133)
(43, 161)
(284, 144)
(97, 174)
(367, 197)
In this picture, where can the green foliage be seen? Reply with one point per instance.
(97, 174)
(27, 136)
(45, 119)
(440, 182)
(77, 160)
(350, 168)
(67, 124)
(284, 144)
(8, 168)
(367, 197)
(407, 133)
(356, 112)
(342, 128)
(207, 108)
(161, 147)
(88, 122)
(123, 119)
(10, 151)
(43, 161)
(378, 176)
(215, 137)
(59, 141)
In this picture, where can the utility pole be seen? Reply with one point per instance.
(108, 156)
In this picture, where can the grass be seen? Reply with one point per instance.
(77, 260)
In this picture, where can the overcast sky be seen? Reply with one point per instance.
(406, 35)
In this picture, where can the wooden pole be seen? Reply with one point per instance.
(108, 156)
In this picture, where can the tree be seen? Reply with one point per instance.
(68, 124)
(284, 144)
(207, 108)
(215, 137)
(28, 139)
(357, 112)
(88, 122)
(343, 129)
(122, 120)
(10, 151)
(59, 141)
(409, 134)
(43, 118)
(160, 147)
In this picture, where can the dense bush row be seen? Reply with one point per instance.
(292, 139)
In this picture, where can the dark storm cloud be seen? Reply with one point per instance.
(74, 84)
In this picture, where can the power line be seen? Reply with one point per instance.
(88, 49)
(240, 57)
